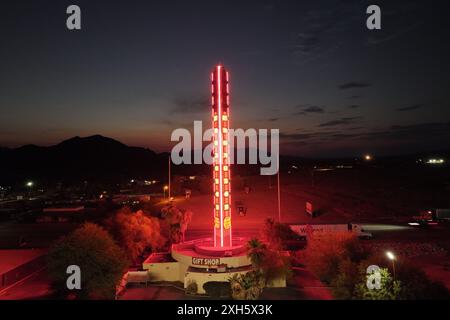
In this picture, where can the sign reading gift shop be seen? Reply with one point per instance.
(205, 261)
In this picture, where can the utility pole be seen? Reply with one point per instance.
(279, 196)
(170, 194)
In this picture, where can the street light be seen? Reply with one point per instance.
(367, 157)
(165, 189)
(391, 257)
(29, 184)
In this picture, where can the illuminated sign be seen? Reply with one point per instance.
(205, 261)
(220, 99)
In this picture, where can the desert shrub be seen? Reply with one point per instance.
(325, 254)
(410, 282)
(345, 280)
(192, 287)
(248, 286)
(276, 233)
(270, 261)
(390, 289)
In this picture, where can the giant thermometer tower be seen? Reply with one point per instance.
(220, 100)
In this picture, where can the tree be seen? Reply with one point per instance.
(177, 220)
(276, 233)
(390, 289)
(101, 261)
(256, 251)
(136, 232)
(270, 262)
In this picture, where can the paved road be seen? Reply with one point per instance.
(34, 287)
(35, 234)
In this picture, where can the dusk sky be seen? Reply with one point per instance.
(139, 69)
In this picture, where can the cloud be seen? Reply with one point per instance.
(314, 109)
(295, 136)
(395, 34)
(399, 18)
(427, 127)
(354, 106)
(305, 109)
(354, 84)
(415, 133)
(317, 33)
(191, 104)
(410, 108)
(395, 139)
(341, 121)
(273, 119)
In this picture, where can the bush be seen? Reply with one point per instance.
(269, 261)
(217, 289)
(345, 280)
(390, 288)
(343, 262)
(136, 232)
(276, 233)
(176, 221)
(325, 254)
(247, 286)
(192, 287)
(101, 261)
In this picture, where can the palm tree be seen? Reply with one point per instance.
(256, 251)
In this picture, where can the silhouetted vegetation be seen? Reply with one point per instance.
(341, 261)
(136, 232)
(101, 261)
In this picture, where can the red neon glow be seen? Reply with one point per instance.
(221, 165)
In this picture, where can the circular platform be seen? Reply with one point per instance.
(201, 253)
(206, 247)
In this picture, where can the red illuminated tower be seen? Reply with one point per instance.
(220, 99)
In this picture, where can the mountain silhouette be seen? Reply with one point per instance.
(94, 157)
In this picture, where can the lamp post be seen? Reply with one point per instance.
(29, 185)
(165, 189)
(391, 257)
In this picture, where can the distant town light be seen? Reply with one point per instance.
(435, 161)
(390, 255)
